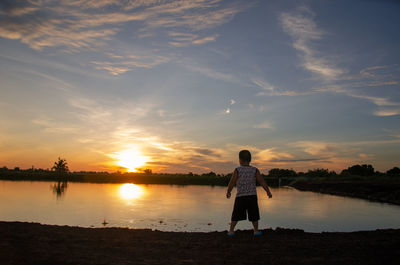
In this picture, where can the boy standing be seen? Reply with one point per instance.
(245, 178)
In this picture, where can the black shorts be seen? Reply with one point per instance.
(246, 205)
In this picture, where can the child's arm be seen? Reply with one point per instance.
(262, 182)
(232, 183)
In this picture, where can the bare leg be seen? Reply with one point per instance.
(255, 225)
(232, 228)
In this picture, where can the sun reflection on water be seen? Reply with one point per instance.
(130, 191)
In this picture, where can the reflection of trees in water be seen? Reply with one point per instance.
(59, 188)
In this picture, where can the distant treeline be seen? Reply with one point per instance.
(275, 176)
(118, 177)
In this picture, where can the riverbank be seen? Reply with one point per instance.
(380, 191)
(32, 243)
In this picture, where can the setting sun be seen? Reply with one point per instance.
(131, 159)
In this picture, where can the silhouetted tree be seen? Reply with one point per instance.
(148, 171)
(394, 171)
(282, 173)
(359, 170)
(319, 173)
(210, 174)
(60, 166)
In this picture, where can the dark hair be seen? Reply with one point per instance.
(245, 156)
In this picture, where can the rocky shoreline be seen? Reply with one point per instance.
(32, 243)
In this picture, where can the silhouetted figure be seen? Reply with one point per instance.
(245, 178)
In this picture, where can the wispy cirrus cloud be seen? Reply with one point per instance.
(187, 39)
(211, 72)
(264, 85)
(387, 112)
(207, 14)
(386, 106)
(87, 25)
(270, 90)
(304, 31)
(74, 25)
(119, 64)
(301, 26)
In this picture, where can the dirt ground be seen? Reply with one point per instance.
(32, 243)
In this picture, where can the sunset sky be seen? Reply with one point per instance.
(183, 86)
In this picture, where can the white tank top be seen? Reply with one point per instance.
(246, 182)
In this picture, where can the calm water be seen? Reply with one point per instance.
(187, 208)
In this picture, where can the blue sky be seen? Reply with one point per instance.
(188, 84)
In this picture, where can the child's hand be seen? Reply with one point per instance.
(228, 194)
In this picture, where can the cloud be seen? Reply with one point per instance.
(301, 26)
(59, 83)
(264, 125)
(295, 160)
(75, 25)
(384, 83)
(114, 70)
(339, 149)
(387, 112)
(386, 106)
(317, 148)
(270, 154)
(19, 11)
(49, 126)
(207, 152)
(270, 90)
(107, 127)
(366, 156)
(195, 15)
(205, 39)
(334, 155)
(264, 85)
(188, 39)
(188, 156)
(304, 31)
(379, 101)
(212, 73)
(373, 76)
(121, 64)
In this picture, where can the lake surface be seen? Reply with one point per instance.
(184, 208)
